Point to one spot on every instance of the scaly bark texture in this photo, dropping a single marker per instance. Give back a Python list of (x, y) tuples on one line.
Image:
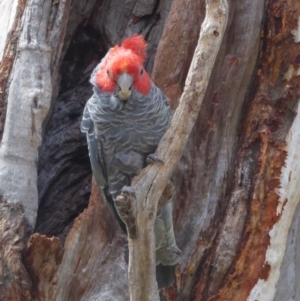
[(42, 259), (15, 283)]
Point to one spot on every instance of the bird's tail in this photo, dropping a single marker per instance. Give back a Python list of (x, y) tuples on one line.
[(165, 274), (167, 252)]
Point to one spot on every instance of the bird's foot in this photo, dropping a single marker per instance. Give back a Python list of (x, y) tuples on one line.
[(124, 205), (168, 256), (167, 195), (153, 159)]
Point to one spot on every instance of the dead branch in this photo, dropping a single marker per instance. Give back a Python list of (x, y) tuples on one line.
[(150, 183)]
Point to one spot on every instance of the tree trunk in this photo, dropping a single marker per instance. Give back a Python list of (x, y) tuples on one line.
[(236, 209)]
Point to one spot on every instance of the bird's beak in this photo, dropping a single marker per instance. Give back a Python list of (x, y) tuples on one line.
[(125, 82)]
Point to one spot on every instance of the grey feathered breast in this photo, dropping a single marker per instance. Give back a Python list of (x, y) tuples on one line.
[(121, 135)]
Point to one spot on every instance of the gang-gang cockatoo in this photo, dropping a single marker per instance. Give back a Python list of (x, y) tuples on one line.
[(124, 121)]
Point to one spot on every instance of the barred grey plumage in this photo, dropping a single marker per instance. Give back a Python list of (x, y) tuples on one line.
[(120, 136)]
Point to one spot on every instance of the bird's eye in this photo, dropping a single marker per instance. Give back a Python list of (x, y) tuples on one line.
[(142, 71)]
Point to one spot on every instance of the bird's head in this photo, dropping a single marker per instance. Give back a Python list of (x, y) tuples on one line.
[(122, 69)]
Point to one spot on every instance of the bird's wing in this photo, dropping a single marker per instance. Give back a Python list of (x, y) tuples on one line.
[(87, 127), (98, 166)]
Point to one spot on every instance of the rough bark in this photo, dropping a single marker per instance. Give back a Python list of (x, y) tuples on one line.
[(94, 256), (15, 284), (204, 176), (236, 184)]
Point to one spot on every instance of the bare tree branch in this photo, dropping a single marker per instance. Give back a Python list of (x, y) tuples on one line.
[(150, 183)]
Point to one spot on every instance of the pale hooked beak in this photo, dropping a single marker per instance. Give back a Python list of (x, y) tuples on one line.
[(125, 82)]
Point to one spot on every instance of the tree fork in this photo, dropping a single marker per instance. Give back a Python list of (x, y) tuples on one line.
[(150, 184)]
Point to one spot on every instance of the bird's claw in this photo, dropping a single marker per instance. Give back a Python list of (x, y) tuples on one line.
[(128, 191), (152, 158), (123, 204), (168, 256), (167, 195)]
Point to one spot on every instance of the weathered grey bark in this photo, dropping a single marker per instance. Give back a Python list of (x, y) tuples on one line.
[(288, 283), (35, 74), (237, 173), (30, 70)]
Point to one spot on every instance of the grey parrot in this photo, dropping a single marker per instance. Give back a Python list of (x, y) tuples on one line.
[(124, 121)]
